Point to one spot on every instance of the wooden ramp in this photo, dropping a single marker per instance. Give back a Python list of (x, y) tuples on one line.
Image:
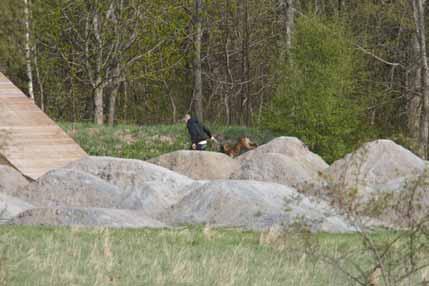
[(29, 140)]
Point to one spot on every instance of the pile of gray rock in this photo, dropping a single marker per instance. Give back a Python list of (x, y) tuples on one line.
[(279, 183)]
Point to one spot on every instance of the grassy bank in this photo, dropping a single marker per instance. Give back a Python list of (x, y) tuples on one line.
[(145, 142)]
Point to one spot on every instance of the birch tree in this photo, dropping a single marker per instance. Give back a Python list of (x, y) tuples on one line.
[(28, 58)]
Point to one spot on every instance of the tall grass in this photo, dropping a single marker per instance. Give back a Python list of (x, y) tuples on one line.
[(79, 256), (188, 256)]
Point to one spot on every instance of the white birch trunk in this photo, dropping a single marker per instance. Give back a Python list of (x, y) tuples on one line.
[(28, 48)]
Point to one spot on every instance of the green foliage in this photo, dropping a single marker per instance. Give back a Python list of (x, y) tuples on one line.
[(316, 99)]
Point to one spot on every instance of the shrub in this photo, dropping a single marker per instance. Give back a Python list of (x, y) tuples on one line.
[(315, 99)]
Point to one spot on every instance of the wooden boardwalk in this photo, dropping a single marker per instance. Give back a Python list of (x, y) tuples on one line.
[(29, 140)]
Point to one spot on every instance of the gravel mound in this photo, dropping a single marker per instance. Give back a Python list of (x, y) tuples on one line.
[(198, 165), (128, 174), (255, 206), (11, 206), (153, 198), (90, 217), (11, 180), (284, 160), (277, 168), (293, 148), (377, 166), (380, 180), (71, 188)]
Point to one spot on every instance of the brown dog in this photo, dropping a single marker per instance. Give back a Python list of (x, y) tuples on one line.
[(244, 143)]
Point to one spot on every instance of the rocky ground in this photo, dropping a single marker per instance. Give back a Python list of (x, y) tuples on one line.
[(279, 183)]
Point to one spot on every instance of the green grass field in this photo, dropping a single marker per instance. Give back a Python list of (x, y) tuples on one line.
[(79, 256), (195, 255)]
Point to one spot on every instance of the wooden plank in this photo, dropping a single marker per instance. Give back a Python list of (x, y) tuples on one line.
[(29, 140)]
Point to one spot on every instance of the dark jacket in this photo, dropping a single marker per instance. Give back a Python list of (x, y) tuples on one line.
[(197, 131)]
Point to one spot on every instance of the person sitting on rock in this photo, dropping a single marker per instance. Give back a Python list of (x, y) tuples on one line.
[(198, 132)]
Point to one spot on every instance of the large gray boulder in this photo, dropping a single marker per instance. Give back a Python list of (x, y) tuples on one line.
[(285, 160), (89, 217), (378, 166), (71, 188), (198, 165), (11, 206), (255, 206), (129, 174), (11, 180), (277, 168), (153, 198), (293, 148), (381, 180)]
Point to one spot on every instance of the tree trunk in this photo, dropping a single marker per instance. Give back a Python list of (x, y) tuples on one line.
[(290, 23), (117, 80), (28, 49), (228, 77), (245, 66), (98, 103), (198, 84), (317, 7), (414, 87), (99, 83), (287, 15), (39, 80), (112, 105), (419, 17), (125, 101)]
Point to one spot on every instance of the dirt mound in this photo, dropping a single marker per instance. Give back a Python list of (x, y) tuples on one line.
[(199, 165), (11, 180), (129, 174), (377, 166), (85, 217), (253, 205), (11, 206)]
